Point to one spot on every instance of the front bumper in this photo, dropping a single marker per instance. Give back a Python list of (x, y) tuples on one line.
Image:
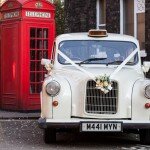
[(76, 123)]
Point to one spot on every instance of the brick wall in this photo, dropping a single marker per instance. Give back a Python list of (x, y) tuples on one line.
[(113, 16), (80, 15)]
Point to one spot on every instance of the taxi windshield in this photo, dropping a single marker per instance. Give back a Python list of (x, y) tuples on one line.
[(97, 52)]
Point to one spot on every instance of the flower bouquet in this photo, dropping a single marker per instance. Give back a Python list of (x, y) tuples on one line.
[(103, 83), (49, 67)]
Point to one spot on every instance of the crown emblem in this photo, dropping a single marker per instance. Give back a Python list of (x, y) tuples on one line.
[(38, 5)]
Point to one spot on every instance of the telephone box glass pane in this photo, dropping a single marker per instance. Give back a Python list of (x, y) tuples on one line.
[(39, 55), (39, 66), (32, 55), (38, 50), (32, 44), (45, 44), (39, 33), (45, 54), (45, 33), (32, 77), (39, 44), (32, 66), (32, 32)]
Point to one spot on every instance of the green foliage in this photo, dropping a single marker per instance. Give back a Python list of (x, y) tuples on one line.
[(103, 78), (59, 16)]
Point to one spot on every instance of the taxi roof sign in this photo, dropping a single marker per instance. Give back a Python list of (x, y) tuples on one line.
[(97, 33)]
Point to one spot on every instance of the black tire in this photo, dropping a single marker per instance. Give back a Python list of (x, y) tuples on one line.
[(49, 136), (145, 136)]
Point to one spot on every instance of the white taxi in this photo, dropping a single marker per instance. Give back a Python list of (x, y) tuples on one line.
[(95, 83)]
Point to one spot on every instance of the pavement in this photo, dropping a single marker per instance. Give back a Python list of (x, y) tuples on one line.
[(26, 135), (19, 115), (20, 131)]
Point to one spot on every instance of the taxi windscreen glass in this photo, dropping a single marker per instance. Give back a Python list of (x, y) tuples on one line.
[(97, 52)]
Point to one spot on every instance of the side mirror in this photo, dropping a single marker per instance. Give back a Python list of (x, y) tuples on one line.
[(143, 53), (146, 66), (45, 61)]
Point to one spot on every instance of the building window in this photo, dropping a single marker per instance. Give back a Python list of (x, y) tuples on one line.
[(140, 6), (128, 17), (101, 14), (132, 19)]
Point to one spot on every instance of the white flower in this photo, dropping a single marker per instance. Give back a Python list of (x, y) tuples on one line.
[(102, 89), (98, 82), (109, 87), (48, 67), (105, 83), (106, 91)]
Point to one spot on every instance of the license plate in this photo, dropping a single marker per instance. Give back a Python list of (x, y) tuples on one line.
[(101, 127)]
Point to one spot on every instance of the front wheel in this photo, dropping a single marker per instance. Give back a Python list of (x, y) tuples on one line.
[(145, 136), (49, 135)]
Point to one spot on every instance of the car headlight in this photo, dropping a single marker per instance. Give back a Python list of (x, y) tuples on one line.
[(147, 91), (53, 88)]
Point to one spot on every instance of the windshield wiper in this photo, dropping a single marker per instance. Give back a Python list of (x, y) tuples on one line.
[(117, 62), (90, 59)]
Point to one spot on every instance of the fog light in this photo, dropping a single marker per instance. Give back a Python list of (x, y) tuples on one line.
[(147, 105), (55, 103)]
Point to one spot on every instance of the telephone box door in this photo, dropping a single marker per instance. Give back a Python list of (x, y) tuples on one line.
[(39, 45)]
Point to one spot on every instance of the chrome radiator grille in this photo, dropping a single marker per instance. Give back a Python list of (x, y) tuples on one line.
[(99, 103)]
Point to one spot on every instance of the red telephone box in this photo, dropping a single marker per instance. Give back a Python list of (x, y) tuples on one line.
[(27, 34)]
